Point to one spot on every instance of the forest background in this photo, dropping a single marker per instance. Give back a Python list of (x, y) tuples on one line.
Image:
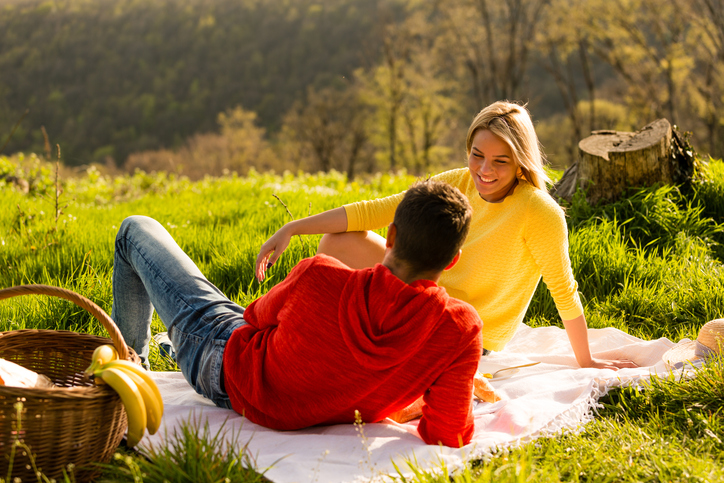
[(205, 87)]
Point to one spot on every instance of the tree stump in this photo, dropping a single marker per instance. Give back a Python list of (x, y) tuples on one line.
[(20, 183), (612, 161)]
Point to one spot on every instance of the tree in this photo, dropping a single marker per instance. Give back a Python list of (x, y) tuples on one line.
[(245, 141), (646, 43), (239, 146), (708, 18), (564, 45), (411, 93), (428, 110), (329, 129), (111, 77), (492, 40), (384, 88)]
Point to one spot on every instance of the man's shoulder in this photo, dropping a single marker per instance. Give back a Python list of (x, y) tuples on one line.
[(463, 314), (322, 261), (322, 265), (318, 279)]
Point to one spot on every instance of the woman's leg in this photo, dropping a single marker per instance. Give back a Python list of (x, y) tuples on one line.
[(151, 271), (356, 249)]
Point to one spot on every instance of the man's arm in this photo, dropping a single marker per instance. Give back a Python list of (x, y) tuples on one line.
[(447, 413), (264, 311)]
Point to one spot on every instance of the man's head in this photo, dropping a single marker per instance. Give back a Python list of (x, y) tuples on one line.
[(431, 223)]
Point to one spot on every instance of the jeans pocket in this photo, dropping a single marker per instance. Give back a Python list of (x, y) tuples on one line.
[(200, 356), (188, 348), (212, 366), (210, 373)]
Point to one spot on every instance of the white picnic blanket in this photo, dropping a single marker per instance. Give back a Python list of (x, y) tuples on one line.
[(550, 397)]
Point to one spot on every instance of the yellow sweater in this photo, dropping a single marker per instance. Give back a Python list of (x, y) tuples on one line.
[(509, 246)]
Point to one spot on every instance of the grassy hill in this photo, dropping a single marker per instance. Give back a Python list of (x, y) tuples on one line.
[(650, 265)]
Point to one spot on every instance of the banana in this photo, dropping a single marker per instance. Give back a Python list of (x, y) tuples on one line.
[(106, 365), (102, 355), (149, 390), (154, 404), (132, 400)]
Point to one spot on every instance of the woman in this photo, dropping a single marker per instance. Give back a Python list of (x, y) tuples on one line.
[(518, 233)]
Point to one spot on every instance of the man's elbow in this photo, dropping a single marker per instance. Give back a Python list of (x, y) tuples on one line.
[(447, 438)]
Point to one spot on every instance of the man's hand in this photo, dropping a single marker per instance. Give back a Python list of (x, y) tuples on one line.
[(413, 411), (613, 364)]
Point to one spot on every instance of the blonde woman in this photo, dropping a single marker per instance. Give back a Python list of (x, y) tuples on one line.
[(518, 233)]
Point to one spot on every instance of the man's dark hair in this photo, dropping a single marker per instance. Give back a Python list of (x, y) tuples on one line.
[(432, 222)]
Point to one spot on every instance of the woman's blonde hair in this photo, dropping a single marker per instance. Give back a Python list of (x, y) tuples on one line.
[(511, 123)]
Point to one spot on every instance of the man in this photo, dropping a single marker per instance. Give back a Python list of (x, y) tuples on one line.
[(328, 342)]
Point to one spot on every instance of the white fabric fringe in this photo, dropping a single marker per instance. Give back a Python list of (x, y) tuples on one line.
[(539, 401)]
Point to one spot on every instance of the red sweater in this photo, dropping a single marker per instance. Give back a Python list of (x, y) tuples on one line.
[(330, 340)]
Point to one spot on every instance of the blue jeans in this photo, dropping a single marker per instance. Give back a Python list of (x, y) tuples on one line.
[(151, 271)]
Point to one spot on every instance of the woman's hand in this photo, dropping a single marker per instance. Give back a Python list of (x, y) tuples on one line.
[(272, 249), (614, 364), (577, 331), (332, 221)]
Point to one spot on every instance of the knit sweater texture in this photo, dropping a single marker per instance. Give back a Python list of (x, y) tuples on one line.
[(328, 341), (510, 245)]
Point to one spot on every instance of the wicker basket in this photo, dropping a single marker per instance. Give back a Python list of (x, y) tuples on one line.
[(75, 423)]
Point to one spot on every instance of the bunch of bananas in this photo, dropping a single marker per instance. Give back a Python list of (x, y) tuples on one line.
[(139, 393)]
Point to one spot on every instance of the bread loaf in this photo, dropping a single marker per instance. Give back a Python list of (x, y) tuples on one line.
[(483, 390), (12, 374)]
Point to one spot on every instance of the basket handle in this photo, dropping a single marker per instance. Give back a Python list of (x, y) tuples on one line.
[(80, 301)]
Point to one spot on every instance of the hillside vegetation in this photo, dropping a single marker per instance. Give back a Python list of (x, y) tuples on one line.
[(197, 87), (110, 77)]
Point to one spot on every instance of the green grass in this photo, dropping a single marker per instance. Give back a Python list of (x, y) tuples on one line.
[(650, 265), (192, 454), (671, 430)]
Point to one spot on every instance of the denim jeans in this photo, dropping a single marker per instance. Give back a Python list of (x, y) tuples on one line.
[(151, 271)]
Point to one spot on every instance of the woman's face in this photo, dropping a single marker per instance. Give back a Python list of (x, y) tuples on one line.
[(492, 166)]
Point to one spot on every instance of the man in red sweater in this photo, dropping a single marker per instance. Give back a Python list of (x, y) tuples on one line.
[(328, 342)]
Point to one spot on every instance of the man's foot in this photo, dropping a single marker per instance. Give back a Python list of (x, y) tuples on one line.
[(164, 345)]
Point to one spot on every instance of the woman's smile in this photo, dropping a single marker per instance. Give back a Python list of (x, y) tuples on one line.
[(486, 180), (492, 166)]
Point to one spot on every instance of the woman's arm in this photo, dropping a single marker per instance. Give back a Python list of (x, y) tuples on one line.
[(363, 215), (332, 221), (547, 238), (577, 331)]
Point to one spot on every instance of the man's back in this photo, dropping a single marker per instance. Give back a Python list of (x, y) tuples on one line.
[(329, 340)]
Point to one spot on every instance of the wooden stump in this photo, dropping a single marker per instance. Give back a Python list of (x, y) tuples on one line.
[(20, 183), (612, 161)]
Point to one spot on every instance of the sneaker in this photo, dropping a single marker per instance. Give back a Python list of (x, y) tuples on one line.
[(164, 345)]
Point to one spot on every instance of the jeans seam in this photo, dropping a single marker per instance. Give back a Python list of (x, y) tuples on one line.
[(218, 364)]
